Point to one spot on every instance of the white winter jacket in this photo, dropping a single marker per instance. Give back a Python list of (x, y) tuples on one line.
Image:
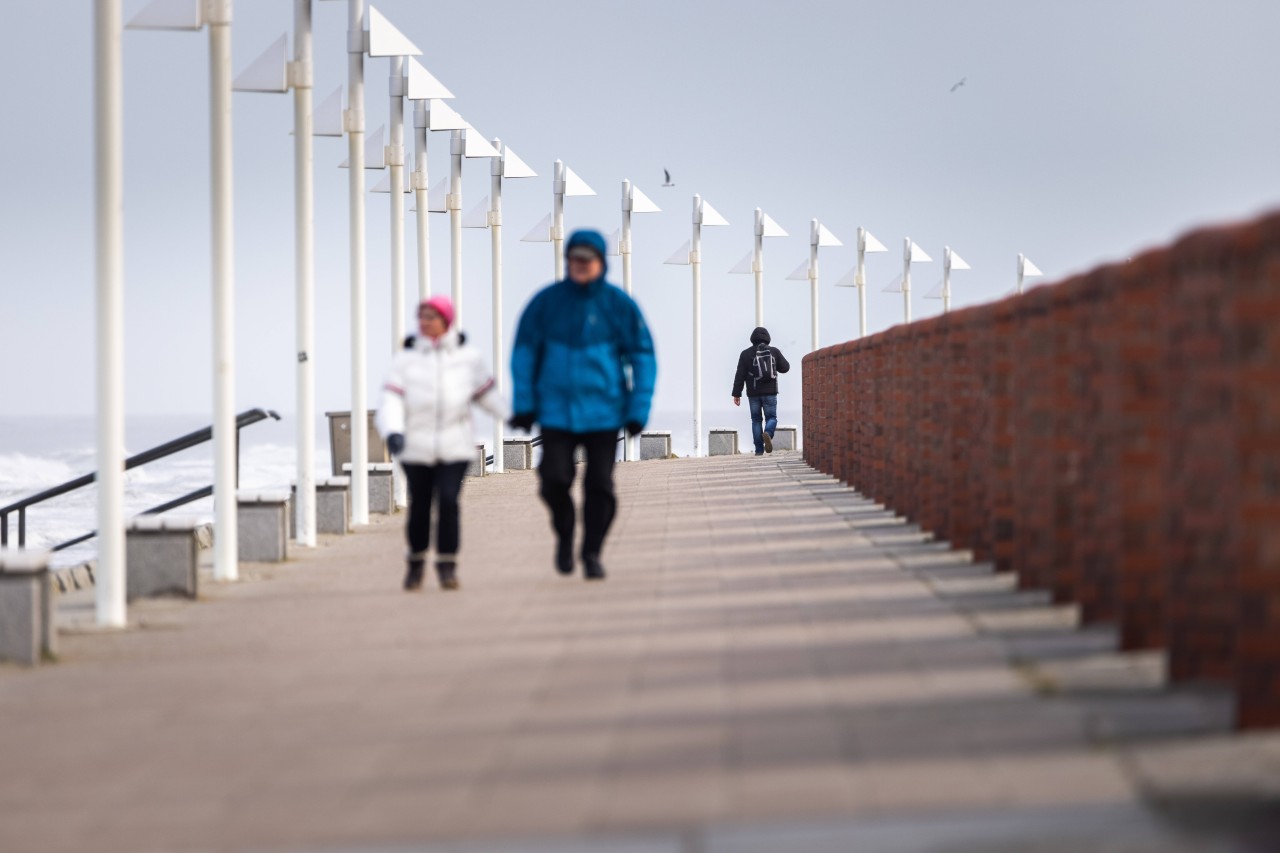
[(428, 396)]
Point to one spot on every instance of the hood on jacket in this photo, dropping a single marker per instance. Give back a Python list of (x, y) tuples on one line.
[(760, 336), (592, 239)]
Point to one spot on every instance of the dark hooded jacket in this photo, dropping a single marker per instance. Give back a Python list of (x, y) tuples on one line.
[(574, 345), (765, 387)]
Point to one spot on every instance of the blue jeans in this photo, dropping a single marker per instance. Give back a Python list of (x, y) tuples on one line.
[(766, 406)]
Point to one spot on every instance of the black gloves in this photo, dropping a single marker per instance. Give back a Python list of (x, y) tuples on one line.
[(524, 421), (395, 443), (634, 428)]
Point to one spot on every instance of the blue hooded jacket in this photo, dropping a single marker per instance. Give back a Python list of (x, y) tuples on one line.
[(573, 345)]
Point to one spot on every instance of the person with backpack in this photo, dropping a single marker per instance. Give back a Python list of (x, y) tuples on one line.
[(425, 416), (583, 368), (758, 369)]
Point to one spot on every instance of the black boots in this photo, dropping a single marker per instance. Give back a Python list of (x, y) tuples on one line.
[(564, 558), (592, 569), (447, 571), (413, 576)]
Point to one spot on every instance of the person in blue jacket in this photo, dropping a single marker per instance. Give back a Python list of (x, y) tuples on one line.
[(584, 368)]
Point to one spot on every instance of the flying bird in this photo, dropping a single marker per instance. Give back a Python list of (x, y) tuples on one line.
[(668, 178), (958, 85)]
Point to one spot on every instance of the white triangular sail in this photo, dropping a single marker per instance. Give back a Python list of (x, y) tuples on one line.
[(894, 286), (438, 197), (849, 279), (871, 243), (826, 238), (744, 266), (711, 216), (573, 185), (375, 151), (422, 84), (327, 118), (800, 273), (384, 185), (540, 233), (935, 292), (169, 15), (478, 216), (386, 40), (918, 255), (641, 203), (269, 72), (771, 228), (514, 167), (1029, 269), (441, 116), (475, 145), (958, 263), (613, 243), (680, 257)]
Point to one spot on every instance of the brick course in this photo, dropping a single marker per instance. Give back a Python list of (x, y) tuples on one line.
[(1114, 439)]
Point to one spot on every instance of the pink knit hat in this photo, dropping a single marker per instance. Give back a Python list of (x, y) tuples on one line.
[(442, 305)]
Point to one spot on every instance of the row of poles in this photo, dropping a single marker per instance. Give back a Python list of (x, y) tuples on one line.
[(368, 33)]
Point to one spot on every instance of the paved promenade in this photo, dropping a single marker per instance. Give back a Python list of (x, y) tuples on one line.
[(773, 665)]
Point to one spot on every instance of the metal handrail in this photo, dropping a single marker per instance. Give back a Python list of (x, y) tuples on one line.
[(177, 445)]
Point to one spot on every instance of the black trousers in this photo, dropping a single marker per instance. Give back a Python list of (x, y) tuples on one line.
[(440, 484), (557, 473)]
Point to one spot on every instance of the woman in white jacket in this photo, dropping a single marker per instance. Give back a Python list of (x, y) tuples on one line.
[(426, 418)]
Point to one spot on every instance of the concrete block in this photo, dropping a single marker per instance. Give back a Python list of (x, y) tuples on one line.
[(381, 493), (517, 454), (263, 519), (340, 441), (655, 445), (27, 631), (162, 555), (476, 468), (722, 442), (786, 438), (333, 505)]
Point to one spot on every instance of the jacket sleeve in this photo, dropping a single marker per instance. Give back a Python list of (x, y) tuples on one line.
[(391, 415), (640, 355), (485, 389), (526, 356), (740, 377), (783, 365)]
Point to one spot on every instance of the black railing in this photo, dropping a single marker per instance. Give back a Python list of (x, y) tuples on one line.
[(169, 448)]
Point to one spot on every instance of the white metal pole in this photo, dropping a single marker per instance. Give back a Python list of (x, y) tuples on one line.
[(1022, 268), (304, 271), (355, 145), (495, 237), (946, 279), (757, 266), (557, 218), (629, 443), (456, 147), (860, 279), (813, 281), (225, 539), (906, 279), (395, 164), (695, 261), (108, 127), (420, 196)]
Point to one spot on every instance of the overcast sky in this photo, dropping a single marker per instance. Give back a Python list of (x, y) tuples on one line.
[(1085, 131)]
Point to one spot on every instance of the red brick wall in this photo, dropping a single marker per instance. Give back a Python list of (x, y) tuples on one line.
[(1114, 439)]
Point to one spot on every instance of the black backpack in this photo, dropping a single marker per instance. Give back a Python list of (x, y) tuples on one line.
[(764, 368)]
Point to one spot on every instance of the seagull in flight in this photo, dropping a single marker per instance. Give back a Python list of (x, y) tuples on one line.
[(958, 85), (668, 178)]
